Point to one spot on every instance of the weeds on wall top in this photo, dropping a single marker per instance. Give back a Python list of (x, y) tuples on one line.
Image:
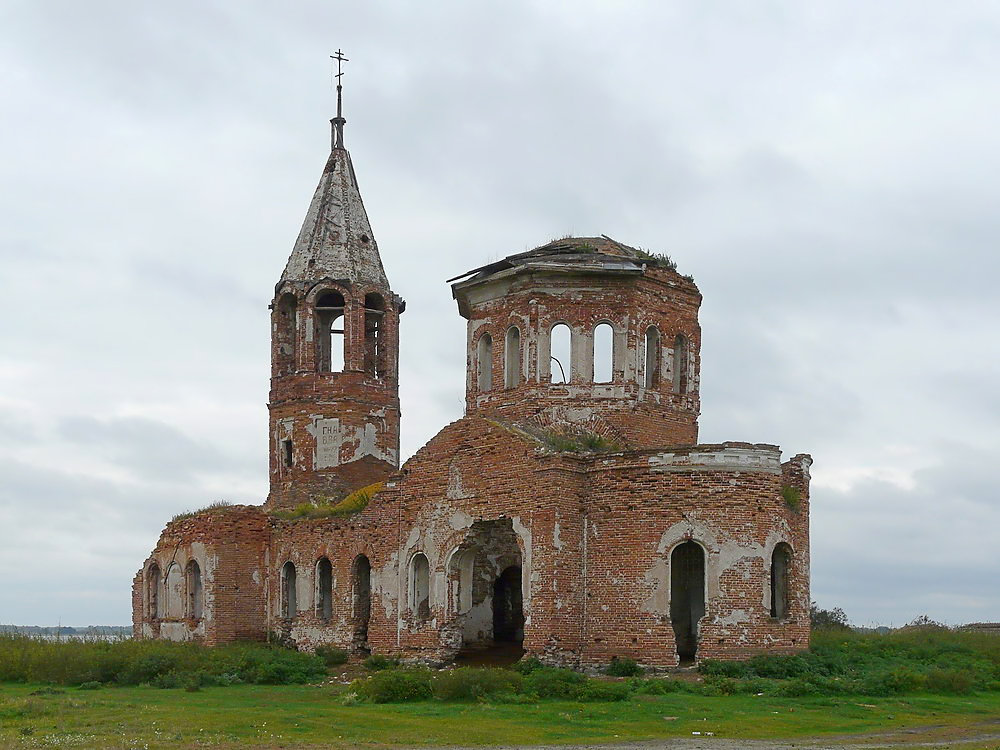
[(656, 259), (354, 503), (207, 509), (578, 442), (792, 496)]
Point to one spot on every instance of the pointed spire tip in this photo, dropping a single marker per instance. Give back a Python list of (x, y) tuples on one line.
[(338, 121)]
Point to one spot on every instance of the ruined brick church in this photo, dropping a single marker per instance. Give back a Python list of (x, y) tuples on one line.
[(571, 512)]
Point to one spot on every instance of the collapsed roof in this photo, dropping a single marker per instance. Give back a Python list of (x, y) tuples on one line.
[(576, 253)]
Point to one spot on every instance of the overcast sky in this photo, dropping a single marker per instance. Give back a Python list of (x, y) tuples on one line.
[(829, 172)]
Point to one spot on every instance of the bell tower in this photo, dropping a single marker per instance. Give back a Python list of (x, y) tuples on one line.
[(334, 400)]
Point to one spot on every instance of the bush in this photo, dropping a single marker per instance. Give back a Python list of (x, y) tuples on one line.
[(623, 668), (831, 619), (377, 662), (395, 686), (795, 688), (660, 686), (596, 691), (953, 681), (901, 679), (716, 668), (331, 656), (779, 667), (719, 686), (527, 666), (548, 682), (469, 684)]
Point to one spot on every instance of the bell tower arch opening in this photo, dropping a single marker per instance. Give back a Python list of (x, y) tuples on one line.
[(285, 325), (331, 332), (374, 336)]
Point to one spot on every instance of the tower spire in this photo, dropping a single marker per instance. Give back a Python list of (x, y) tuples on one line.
[(338, 121)]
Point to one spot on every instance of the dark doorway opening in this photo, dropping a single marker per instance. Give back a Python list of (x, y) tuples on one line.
[(362, 601), (508, 607), (687, 597)]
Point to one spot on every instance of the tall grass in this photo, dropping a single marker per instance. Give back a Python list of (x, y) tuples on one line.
[(155, 662), (933, 659)]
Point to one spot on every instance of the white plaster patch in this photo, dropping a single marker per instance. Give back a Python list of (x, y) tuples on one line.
[(328, 441), (735, 617), (727, 458), (455, 489), (460, 520)]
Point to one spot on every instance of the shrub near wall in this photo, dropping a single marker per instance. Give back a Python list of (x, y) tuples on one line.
[(468, 684), (394, 686)]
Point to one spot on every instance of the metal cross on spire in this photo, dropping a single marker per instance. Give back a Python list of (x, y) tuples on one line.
[(338, 121)]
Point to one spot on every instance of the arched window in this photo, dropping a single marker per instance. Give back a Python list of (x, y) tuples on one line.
[(330, 332), (153, 590), (687, 596), (288, 600), (324, 589), (781, 564), (680, 364), (651, 375), (374, 336), (484, 362), (420, 588), (512, 358), (462, 568), (285, 334), (173, 592), (604, 353), (560, 351), (195, 597), (362, 598)]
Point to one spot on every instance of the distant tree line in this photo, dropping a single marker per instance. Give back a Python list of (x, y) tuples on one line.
[(60, 631)]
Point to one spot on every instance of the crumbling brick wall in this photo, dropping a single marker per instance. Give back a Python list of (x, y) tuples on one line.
[(342, 427), (660, 414)]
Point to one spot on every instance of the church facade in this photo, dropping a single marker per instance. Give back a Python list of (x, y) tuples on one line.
[(571, 512)]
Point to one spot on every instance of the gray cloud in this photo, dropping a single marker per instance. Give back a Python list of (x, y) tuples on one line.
[(147, 447)]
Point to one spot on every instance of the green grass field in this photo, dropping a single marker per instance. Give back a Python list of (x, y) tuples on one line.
[(294, 716), (927, 685)]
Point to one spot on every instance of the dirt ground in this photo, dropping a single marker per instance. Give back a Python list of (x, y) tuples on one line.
[(986, 735)]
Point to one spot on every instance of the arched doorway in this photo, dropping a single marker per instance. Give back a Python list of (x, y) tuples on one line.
[(485, 606), (687, 597), (362, 601), (508, 607)]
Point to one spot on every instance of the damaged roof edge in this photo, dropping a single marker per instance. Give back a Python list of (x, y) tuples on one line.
[(576, 250)]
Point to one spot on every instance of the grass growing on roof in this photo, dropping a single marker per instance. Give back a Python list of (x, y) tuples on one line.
[(578, 441), (353, 503), (219, 505), (792, 496)]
